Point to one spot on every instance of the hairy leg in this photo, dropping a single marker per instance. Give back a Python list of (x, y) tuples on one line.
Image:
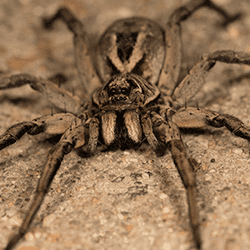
[(51, 124), (201, 118), (68, 141), (192, 83), (59, 97), (169, 134), (171, 69), (86, 71)]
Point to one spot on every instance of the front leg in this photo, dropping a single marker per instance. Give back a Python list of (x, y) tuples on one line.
[(186, 172), (169, 134), (71, 138)]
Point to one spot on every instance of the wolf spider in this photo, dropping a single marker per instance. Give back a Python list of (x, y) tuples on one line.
[(137, 67)]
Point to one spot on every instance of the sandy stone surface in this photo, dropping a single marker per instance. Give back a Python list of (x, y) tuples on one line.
[(126, 200)]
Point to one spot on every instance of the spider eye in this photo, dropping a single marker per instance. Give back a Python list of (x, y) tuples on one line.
[(124, 91), (112, 91)]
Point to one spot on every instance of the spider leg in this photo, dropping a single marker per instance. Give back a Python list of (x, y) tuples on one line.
[(200, 118), (228, 18), (51, 124), (93, 134), (147, 128), (192, 83), (56, 95), (172, 65), (73, 136), (87, 73), (14, 133), (168, 133)]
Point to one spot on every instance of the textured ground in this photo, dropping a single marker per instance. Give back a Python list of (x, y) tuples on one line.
[(126, 199)]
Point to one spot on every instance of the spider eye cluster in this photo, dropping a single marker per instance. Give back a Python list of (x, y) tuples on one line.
[(114, 91), (118, 93), (119, 90)]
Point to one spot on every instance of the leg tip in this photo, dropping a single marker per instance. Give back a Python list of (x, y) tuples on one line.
[(231, 19)]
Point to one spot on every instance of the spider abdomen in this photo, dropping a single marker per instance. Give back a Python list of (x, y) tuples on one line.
[(132, 45)]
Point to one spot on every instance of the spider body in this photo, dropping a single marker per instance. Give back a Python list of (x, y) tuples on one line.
[(131, 51), (133, 45), (138, 99)]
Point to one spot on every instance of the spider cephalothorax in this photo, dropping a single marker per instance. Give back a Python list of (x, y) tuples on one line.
[(120, 103), (124, 91), (138, 99)]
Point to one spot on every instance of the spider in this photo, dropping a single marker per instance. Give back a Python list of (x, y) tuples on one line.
[(137, 65)]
